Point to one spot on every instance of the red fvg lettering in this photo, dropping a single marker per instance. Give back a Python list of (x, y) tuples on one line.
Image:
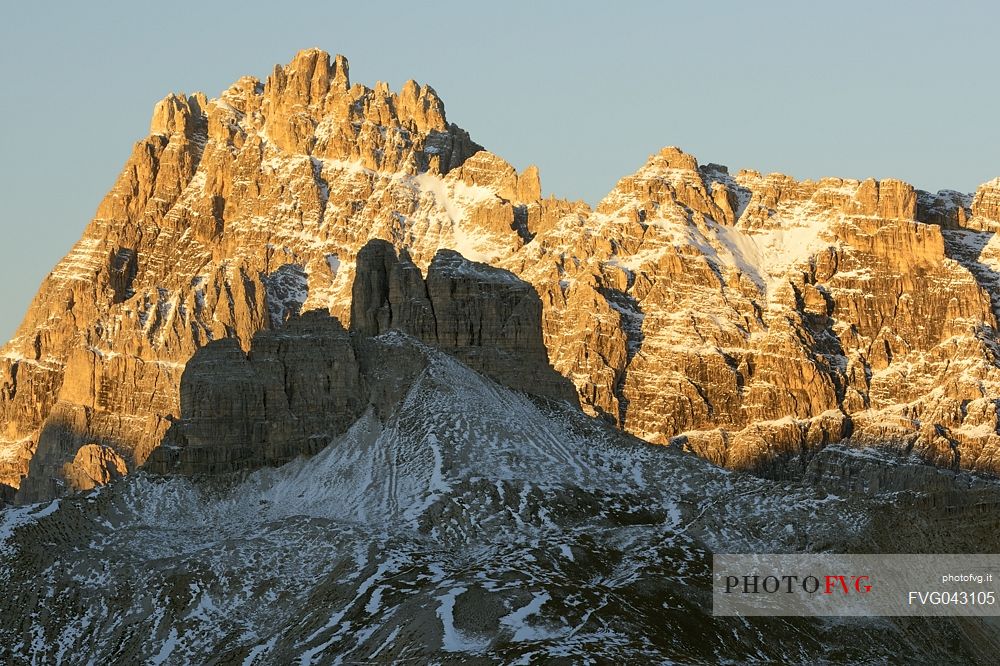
[(845, 584)]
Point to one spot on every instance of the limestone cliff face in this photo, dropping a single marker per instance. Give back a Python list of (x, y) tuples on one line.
[(484, 316), (747, 317), (751, 318), (224, 221)]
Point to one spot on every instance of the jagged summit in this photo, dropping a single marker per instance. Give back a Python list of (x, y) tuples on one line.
[(675, 158), (310, 107), (327, 359), (748, 317)]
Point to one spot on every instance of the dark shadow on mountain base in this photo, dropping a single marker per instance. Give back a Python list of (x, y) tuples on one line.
[(306, 382), (298, 387), (631, 316), (69, 458)]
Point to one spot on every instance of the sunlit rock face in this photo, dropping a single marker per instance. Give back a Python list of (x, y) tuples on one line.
[(748, 318)]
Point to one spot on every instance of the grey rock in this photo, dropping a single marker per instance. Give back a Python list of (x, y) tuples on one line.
[(486, 317)]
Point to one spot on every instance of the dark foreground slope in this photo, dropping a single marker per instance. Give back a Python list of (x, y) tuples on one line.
[(420, 488), (459, 521)]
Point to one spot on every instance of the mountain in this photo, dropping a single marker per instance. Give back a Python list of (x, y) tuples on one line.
[(751, 319), (324, 381)]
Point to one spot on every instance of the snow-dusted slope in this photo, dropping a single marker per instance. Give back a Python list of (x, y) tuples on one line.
[(470, 522)]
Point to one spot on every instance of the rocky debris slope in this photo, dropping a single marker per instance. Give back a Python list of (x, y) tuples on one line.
[(456, 519), (747, 317)]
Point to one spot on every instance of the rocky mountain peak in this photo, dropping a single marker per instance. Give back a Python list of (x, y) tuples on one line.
[(672, 157), (986, 201), (179, 114), (886, 199), (309, 77), (485, 169), (669, 179), (309, 107), (750, 318)]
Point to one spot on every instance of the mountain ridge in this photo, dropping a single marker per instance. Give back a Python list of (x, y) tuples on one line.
[(748, 318)]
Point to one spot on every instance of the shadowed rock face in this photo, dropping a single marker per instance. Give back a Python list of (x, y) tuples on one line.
[(486, 317), (297, 388), (305, 383)]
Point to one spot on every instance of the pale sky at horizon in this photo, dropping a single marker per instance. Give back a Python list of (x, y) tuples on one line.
[(587, 93)]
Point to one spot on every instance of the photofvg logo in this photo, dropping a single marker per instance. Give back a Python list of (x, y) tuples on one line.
[(786, 584), (855, 585)]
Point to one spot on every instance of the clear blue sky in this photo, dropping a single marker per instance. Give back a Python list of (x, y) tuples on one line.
[(585, 90)]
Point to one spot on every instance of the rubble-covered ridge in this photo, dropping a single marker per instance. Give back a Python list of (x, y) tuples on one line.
[(747, 317)]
